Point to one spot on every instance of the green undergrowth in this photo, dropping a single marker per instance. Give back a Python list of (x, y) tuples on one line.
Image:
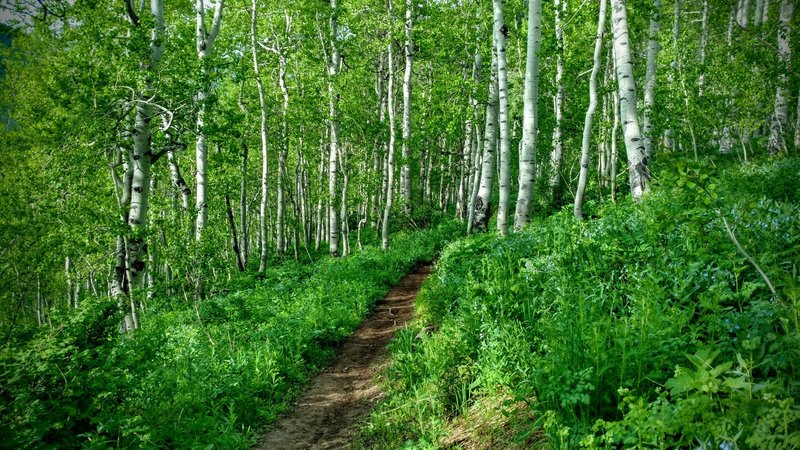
[(206, 375), (643, 326)]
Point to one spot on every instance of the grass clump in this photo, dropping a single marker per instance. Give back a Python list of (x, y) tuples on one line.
[(643, 327)]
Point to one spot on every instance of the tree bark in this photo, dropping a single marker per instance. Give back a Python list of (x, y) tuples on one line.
[(777, 142), (390, 152), (333, 120), (638, 171), (650, 78), (530, 119), (483, 199), (262, 215), (500, 33), (205, 42), (587, 124), (557, 152), (405, 173)]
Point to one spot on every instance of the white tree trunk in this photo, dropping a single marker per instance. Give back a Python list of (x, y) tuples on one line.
[(777, 142), (701, 82), (482, 205), (204, 40), (283, 152), (557, 152), (390, 152), (614, 157), (638, 171), (759, 17), (587, 124), (530, 120), (500, 32), (650, 78), (333, 119), (262, 214), (405, 174), (797, 125)]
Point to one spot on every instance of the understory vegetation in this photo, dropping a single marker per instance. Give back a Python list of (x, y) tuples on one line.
[(199, 375), (645, 326)]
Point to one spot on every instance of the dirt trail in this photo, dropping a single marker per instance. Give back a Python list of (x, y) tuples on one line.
[(339, 397)]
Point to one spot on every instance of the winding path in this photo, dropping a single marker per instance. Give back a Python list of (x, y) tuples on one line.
[(339, 397)]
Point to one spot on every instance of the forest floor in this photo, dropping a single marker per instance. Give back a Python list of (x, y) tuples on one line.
[(326, 414)]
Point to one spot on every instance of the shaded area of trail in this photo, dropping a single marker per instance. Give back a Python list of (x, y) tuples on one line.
[(346, 392)]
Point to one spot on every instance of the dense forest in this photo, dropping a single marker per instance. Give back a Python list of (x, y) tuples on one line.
[(201, 201)]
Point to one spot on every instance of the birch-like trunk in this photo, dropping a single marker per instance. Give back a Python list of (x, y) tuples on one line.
[(244, 242), (614, 132), (701, 82), (390, 151), (530, 120), (587, 124), (475, 170), (650, 78), (405, 173), (262, 214), (483, 205), (797, 124), (638, 171), (759, 17), (282, 153), (777, 142), (333, 121), (743, 13), (500, 34), (204, 40), (556, 154)]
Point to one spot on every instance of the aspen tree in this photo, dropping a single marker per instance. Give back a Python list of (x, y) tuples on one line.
[(204, 40), (408, 49), (482, 205), (262, 214), (557, 153), (527, 160), (333, 121), (650, 78), (390, 151), (638, 171), (587, 124), (779, 120), (500, 34)]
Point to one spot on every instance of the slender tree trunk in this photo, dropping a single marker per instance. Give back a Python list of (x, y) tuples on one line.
[(475, 170), (614, 157), (650, 78), (483, 200), (390, 155), (262, 215), (244, 242), (283, 152), (527, 160), (234, 237), (587, 124), (797, 124), (405, 174), (780, 115), (204, 42), (557, 152), (68, 275), (638, 171), (333, 118), (701, 82), (500, 33)]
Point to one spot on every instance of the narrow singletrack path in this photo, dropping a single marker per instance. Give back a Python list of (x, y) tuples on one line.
[(339, 397)]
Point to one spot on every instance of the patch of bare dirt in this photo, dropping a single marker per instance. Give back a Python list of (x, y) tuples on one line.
[(326, 415)]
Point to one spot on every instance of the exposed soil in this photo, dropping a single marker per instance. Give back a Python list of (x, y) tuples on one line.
[(326, 415)]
